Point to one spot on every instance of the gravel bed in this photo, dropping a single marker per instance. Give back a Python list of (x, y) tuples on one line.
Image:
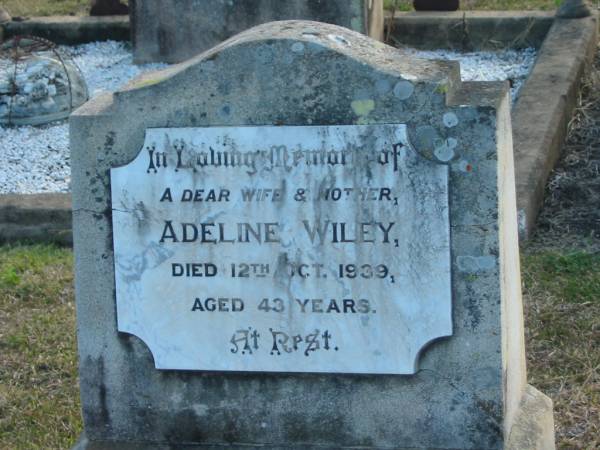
[(512, 65), (38, 157)]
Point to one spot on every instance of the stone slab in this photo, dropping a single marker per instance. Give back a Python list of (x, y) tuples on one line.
[(533, 430), (172, 31), (467, 392), (295, 255), (534, 425)]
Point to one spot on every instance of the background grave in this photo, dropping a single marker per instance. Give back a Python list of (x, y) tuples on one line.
[(538, 137)]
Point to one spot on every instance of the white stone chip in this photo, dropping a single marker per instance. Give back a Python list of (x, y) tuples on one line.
[(513, 65)]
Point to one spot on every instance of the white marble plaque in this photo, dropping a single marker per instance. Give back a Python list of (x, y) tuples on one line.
[(282, 249)]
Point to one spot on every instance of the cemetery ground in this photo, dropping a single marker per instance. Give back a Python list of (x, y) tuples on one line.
[(561, 276), (39, 405)]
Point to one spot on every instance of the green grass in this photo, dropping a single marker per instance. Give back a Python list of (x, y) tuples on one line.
[(562, 305), (39, 400), (398, 5), (39, 397), (29, 8), (501, 5), (573, 277)]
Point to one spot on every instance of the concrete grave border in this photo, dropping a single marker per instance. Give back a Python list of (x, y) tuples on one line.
[(36, 217), (540, 121), (469, 31), (70, 30)]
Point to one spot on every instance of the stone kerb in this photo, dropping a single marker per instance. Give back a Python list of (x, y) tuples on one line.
[(70, 30), (469, 30), (545, 107), (36, 217), (468, 389)]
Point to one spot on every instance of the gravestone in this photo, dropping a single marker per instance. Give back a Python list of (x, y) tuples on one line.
[(172, 31), (301, 238)]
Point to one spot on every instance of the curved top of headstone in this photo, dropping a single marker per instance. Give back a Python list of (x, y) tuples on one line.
[(292, 73), (308, 42)]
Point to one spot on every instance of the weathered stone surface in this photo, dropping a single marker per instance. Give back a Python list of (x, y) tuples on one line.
[(36, 217), (296, 254), (172, 31), (468, 389), (534, 425)]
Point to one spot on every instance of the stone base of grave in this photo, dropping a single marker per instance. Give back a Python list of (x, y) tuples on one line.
[(534, 425), (533, 430)]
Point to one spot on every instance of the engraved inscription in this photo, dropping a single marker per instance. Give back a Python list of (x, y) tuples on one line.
[(285, 249)]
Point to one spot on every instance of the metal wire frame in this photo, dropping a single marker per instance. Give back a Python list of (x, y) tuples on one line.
[(21, 47)]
